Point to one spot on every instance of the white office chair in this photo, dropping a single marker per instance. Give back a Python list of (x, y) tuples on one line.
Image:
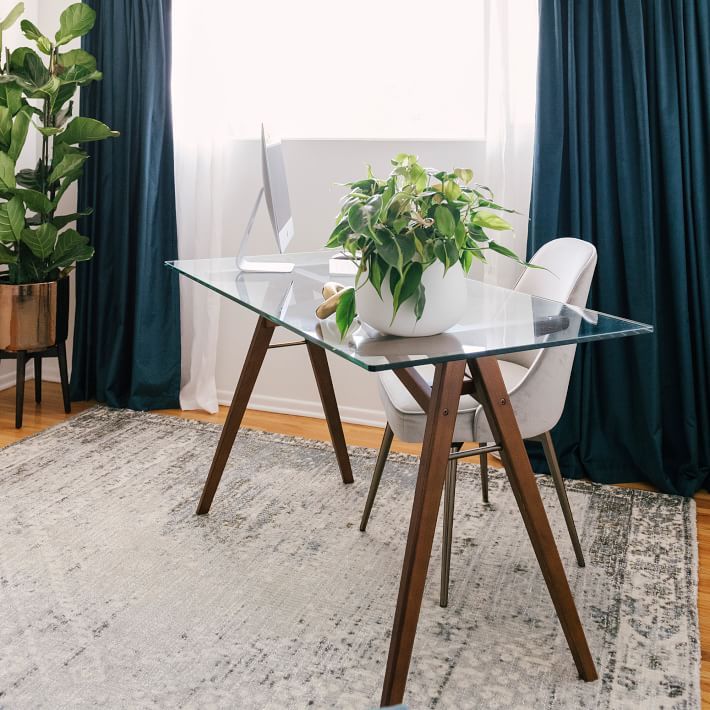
[(537, 382)]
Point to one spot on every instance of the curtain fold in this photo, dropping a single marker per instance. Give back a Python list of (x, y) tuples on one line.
[(622, 159), (127, 328), (510, 37)]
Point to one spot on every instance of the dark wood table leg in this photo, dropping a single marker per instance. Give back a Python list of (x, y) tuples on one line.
[(441, 418), (319, 363), (63, 375), (263, 333), (20, 387), (492, 394), (38, 378)]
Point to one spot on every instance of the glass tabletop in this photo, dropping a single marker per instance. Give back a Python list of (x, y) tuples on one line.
[(496, 321)]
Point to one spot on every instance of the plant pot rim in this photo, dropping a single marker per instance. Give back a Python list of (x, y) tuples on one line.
[(5, 282)]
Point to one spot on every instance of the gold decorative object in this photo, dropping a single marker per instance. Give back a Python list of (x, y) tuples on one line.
[(28, 316), (331, 293)]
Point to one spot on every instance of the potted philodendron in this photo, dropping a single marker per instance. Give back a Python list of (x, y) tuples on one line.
[(37, 246), (414, 237)]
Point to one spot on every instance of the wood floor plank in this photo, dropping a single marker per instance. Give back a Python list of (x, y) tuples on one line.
[(38, 417)]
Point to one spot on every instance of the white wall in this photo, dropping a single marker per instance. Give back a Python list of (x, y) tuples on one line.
[(313, 168)]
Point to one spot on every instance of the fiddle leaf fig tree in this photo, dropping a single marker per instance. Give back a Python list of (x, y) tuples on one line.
[(37, 88)]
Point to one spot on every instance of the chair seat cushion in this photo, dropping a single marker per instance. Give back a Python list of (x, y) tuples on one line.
[(407, 418)]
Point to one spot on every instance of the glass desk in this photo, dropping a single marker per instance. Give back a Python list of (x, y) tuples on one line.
[(497, 321)]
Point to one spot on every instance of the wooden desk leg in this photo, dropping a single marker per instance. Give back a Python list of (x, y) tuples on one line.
[(255, 357), (441, 418), (319, 362), (492, 394)]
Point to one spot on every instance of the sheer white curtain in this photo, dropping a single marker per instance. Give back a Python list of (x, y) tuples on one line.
[(511, 36), (211, 81), (201, 176)]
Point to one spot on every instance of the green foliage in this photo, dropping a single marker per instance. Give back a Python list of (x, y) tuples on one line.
[(396, 228), (35, 243)]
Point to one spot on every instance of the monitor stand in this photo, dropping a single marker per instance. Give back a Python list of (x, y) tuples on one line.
[(264, 267)]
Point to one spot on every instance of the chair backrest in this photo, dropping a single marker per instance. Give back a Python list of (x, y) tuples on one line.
[(567, 277), (539, 398)]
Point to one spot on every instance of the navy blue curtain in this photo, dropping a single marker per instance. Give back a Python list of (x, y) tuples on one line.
[(622, 159), (127, 332)]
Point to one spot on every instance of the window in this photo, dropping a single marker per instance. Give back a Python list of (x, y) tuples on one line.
[(371, 69)]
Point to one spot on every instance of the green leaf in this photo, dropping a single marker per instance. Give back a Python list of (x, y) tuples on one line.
[(452, 253), (71, 247), (32, 70), (35, 201), (420, 302), (466, 261), (407, 285), (20, 126), (5, 128), (28, 178), (11, 17), (78, 57), (12, 220), (41, 240), (74, 22), (390, 251), (444, 221), (504, 251), (451, 190), (338, 236), (68, 164), (378, 270), (82, 130), (11, 96), (7, 256), (65, 219), (7, 172), (460, 235), (32, 32), (362, 218), (345, 311), (490, 220), (464, 174)]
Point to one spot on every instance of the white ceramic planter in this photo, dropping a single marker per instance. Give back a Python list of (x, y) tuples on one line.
[(446, 297)]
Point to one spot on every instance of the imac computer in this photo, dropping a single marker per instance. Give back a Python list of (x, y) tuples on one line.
[(275, 192)]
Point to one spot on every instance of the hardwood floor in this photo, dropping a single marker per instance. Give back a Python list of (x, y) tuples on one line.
[(50, 412)]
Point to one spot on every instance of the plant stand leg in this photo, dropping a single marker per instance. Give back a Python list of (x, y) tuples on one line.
[(38, 378), (63, 375), (493, 395), (20, 387), (263, 333), (441, 418)]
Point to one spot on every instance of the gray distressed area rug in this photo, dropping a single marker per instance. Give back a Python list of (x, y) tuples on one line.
[(114, 594)]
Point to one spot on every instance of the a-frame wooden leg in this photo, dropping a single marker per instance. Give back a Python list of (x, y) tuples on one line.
[(492, 394), (252, 365), (441, 417), (319, 362)]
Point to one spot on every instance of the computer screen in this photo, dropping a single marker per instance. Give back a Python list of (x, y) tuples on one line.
[(276, 190)]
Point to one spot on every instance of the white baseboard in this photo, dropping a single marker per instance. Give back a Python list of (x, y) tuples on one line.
[(264, 403), (306, 408), (50, 373)]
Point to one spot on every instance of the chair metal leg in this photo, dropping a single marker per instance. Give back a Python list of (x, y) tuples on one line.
[(551, 456), (377, 475), (449, 501), (484, 475)]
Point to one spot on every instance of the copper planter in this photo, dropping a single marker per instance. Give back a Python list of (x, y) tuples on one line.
[(32, 316)]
